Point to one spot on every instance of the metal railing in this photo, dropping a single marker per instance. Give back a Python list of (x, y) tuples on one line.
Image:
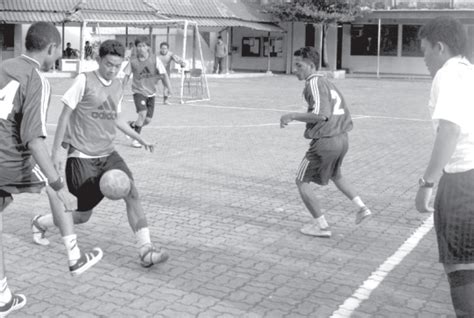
[(418, 4)]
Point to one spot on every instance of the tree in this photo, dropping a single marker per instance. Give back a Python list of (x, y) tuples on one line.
[(323, 12)]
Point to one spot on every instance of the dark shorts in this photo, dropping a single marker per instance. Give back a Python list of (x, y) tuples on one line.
[(31, 179), (143, 103), (323, 160), (83, 178), (454, 218)]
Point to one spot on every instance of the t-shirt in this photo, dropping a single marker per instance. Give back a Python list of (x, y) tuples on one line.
[(24, 101), (167, 58), (452, 99), (95, 103), (324, 99), (145, 74)]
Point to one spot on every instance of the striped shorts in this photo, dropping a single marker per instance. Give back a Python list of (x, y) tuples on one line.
[(323, 160), (454, 218)]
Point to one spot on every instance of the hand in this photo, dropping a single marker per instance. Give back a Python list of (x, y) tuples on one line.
[(69, 201), (422, 200), (284, 120), (148, 146)]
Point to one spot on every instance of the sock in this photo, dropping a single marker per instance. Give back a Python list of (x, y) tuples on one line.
[(132, 124), (143, 237), (73, 251), (138, 129), (5, 293), (46, 221), (321, 222), (358, 201)]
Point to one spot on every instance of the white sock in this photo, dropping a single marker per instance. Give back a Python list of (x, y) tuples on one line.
[(143, 236), (73, 251), (321, 222), (5, 293), (46, 221), (358, 201)]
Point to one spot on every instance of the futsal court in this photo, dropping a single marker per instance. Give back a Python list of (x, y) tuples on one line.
[(219, 194)]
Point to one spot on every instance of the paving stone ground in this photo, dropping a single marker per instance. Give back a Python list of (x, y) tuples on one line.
[(219, 194)]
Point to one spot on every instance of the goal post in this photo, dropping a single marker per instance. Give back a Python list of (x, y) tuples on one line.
[(191, 81)]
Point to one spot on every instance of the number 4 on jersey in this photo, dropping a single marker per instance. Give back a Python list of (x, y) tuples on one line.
[(7, 95)]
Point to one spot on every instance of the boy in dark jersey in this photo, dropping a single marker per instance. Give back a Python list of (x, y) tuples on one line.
[(25, 163), (327, 122), (87, 128), (147, 70)]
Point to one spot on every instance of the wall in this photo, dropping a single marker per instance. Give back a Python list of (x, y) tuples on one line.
[(388, 64), (259, 64)]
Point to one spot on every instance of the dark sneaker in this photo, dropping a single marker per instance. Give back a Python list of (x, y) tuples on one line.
[(86, 261), (38, 232), (17, 302), (151, 256)]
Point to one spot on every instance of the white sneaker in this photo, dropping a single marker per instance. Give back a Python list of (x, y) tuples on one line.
[(38, 232), (362, 214), (315, 230), (136, 144)]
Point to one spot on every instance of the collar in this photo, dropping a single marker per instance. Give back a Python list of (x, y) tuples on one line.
[(456, 59), (311, 76), (102, 80), (31, 59)]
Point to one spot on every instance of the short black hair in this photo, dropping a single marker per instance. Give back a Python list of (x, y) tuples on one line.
[(164, 43), (219, 37), (142, 39), (447, 30), (309, 53), (111, 47), (40, 35)]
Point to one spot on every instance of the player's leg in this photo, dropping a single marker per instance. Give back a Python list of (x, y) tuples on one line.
[(141, 107), (308, 171), (340, 143), (149, 255), (8, 302), (461, 284), (166, 93)]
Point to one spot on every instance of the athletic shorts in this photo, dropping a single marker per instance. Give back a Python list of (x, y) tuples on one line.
[(144, 103), (323, 160), (31, 179), (454, 218), (83, 178)]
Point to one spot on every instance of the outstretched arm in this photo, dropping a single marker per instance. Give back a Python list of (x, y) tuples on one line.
[(303, 117)]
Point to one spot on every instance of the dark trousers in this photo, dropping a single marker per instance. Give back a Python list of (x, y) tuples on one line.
[(219, 64)]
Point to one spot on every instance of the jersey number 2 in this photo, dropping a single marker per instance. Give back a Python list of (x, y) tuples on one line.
[(337, 110), (7, 95)]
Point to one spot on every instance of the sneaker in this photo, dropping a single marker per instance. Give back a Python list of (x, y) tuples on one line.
[(86, 261), (17, 302), (151, 256), (136, 144), (362, 214), (38, 232), (315, 230)]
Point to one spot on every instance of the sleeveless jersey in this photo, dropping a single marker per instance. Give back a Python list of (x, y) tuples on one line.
[(324, 98), (24, 100), (91, 128), (146, 75)]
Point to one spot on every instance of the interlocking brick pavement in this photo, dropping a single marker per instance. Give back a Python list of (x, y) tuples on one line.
[(219, 194)]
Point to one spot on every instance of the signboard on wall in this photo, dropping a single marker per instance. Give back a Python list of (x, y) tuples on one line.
[(275, 46), (251, 46)]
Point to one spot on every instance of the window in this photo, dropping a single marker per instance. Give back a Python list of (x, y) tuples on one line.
[(276, 47), (364, 39), (7, 33), (410, 41), (251, 46)]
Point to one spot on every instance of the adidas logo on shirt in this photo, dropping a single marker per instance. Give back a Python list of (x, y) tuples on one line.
[(106, 111), (146, 73)]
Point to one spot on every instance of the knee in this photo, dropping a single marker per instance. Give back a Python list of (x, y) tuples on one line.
[(133, 194), (82, 217)]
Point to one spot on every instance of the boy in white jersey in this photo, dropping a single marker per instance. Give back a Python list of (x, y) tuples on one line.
[(444, 44), (166, 57), (25, 164), (147, 70), (327, 122), (87, 128)]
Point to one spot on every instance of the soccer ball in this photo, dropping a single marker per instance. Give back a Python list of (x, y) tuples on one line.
[(115, 184)]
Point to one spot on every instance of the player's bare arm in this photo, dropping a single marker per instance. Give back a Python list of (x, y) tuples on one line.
[(39, 150), (59, 137), (443, 149), (123, 126), (303, 117)]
